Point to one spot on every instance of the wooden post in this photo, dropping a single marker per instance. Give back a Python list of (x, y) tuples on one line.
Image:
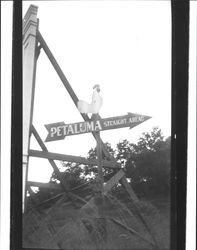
[(100, 220), (99, 180), (99, 156), (30, 25)]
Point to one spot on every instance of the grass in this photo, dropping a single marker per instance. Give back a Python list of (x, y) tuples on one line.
[(66, 227)]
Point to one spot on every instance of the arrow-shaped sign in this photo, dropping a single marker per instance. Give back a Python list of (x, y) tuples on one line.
[(59, 130)]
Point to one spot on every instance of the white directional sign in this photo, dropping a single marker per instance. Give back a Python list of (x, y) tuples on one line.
[(59, 130)]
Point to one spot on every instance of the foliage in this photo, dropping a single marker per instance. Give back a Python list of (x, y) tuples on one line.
[(146, 164), (125, 151), (71, 173), (91, 171), (150, 141), (149, 165)]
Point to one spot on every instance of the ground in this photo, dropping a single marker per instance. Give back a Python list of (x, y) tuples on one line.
[(66, 227)]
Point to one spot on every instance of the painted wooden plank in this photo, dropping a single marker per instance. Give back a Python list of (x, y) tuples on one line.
[(60, 130), (113, 181), (69, 158), (44, 185)]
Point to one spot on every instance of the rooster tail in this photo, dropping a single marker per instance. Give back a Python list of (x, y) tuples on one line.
[(80, 105), (83, 107)]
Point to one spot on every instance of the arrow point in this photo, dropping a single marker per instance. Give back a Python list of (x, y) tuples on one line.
[(137, 119), (148, 117), (46, 126)]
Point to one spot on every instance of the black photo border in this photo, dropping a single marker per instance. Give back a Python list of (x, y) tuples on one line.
[(180, 68)]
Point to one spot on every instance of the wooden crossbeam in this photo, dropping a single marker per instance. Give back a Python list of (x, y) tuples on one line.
[(69, 158), (44, 185)]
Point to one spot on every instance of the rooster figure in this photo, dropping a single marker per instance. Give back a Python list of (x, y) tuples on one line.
[(94, 106)]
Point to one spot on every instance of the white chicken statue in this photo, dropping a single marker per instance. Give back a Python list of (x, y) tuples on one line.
[(94, 106)]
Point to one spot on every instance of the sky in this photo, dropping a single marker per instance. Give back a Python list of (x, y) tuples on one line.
[(124, 46)]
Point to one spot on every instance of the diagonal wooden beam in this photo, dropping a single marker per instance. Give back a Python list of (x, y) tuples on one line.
[(54, 166), (69, 158), (68, 86), (44, 148)]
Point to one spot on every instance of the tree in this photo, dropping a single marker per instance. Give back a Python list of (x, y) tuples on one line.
[(148, 165), (71, 173), (92, 171), (150, 141), (125, 150)]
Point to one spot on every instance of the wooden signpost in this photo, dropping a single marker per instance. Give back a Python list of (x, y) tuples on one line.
[(60, 130)]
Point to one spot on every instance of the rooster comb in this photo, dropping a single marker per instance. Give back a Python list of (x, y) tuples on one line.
[(96, 86)]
